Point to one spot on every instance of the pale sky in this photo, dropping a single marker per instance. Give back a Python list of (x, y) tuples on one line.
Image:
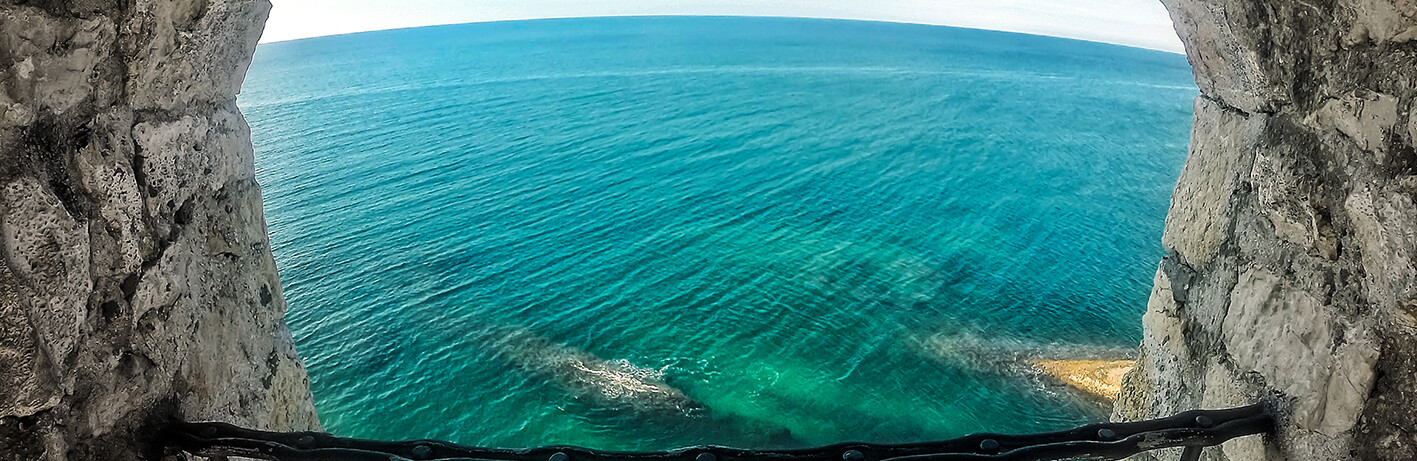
[(1142, 23)]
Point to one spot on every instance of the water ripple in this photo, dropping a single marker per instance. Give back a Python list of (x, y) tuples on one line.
[(819, 230)]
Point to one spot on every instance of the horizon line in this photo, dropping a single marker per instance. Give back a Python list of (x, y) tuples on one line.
[(651, 15)]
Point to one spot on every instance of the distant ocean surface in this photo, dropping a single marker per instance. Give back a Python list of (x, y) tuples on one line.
[(817, 230)]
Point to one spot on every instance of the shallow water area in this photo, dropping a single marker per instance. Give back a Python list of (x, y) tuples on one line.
[(813, 230)]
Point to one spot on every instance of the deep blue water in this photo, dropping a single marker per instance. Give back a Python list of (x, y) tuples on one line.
[(818, 230)]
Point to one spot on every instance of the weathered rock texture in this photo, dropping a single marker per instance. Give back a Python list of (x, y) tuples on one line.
[(137, 281), (1292, 232)]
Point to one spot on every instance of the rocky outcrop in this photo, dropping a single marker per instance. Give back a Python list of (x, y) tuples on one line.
[(1101, 379), (1292, 233), (137, 281)]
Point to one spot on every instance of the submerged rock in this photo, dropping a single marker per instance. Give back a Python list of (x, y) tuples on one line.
[(1099, 378), (977, 352), (605, 384), (1094, 370)]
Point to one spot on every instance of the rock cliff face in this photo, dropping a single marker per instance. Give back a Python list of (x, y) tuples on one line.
[(1292, 233), (137, 282)]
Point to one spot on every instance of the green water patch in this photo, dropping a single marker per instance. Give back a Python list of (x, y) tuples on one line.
[(861, 356), (817, 230)]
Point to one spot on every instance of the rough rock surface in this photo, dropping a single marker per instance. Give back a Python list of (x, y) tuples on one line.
[(1101, 379), (137, 282), (1290, 276)]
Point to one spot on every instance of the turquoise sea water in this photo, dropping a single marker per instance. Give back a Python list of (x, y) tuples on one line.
[(816, 230)]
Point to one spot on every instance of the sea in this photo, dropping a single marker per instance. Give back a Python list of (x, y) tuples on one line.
[(795, 232)]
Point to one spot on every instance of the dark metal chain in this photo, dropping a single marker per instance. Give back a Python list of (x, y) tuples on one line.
[(1104, 441)]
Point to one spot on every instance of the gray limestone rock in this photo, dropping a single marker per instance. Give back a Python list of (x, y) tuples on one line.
[(1295, 213), (137, 282)]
